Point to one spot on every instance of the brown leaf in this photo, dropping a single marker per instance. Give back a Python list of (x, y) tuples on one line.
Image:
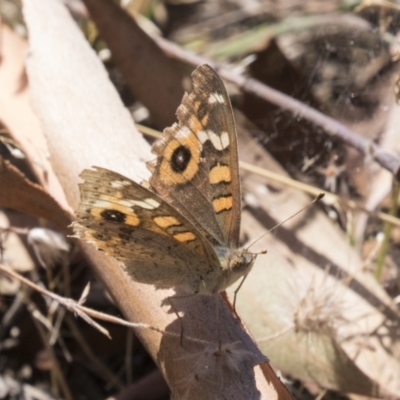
[(22, 195)]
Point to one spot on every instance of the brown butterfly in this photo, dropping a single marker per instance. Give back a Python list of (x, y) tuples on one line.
[(184, 231)]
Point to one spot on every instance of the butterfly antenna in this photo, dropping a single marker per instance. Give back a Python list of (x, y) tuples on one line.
[(318, 198)]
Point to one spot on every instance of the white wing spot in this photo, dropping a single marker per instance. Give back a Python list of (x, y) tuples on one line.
[(202, 136), (119, 184), (153, 202), (101, 204), (183, 132), (148, 204), (220, 142), (126, 203), (216, 98), (224, 140)]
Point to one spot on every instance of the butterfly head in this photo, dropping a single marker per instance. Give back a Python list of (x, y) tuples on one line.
[(236, 264)]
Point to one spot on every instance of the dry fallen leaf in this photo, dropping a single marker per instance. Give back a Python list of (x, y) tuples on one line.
[(30, 198)]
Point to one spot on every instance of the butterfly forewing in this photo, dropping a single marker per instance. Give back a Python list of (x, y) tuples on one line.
[(155, 243), (196, 170)]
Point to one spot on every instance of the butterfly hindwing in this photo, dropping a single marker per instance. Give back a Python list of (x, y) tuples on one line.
[(156, 244), (196, 170)]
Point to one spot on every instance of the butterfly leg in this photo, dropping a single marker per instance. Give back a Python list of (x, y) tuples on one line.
[(236, 292)]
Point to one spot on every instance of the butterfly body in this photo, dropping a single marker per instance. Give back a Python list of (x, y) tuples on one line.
[(184, 230)]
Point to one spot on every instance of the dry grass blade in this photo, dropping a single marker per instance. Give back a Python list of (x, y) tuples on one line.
[(84, 295)]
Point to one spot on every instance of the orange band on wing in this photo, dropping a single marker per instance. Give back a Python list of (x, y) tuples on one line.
[(184, 236), (219, 173), (166, 221), (222, 203)]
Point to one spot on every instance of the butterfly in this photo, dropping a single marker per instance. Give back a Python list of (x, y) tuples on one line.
[(182, 229)]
